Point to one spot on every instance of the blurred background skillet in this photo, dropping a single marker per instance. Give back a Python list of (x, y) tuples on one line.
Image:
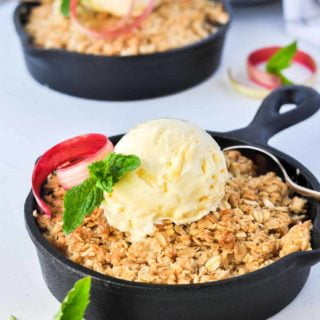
[(121, 78), (250, 2)]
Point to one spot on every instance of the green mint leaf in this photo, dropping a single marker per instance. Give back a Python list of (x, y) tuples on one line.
[(76, 301), (110, 170), (284, 80), (121, 164), (98, 170), (281, 60), (106, 184), (80, 201), (13, 318), (65, 7)]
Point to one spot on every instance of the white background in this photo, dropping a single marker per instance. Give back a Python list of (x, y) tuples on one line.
[(33, 118)]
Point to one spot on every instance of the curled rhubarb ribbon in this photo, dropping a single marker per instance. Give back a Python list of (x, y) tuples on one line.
[(124, 26), (70, 159), (268, 80), (247, 90)]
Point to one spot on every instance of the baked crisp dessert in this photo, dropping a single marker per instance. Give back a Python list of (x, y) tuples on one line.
[(257, 223), (172, 24)]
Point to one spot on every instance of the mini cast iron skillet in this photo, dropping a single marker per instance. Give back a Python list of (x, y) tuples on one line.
[(254, 296), (120, 78), (239, 3)]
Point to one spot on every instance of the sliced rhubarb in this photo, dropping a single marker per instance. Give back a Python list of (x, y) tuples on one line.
[(70, 159), (125, 25), (268, 80)]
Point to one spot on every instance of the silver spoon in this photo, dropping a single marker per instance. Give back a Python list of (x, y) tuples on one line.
[(262, 158)]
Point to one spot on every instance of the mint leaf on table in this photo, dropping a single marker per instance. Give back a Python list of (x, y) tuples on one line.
[(81, 200), (76, 301), (282, 60), (284, 79), (65, 7), (12, 318)]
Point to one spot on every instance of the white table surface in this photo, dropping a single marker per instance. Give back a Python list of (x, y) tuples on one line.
[(33, 118)]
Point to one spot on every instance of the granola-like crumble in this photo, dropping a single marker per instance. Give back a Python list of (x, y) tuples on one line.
[(257, 223), (173, 24)]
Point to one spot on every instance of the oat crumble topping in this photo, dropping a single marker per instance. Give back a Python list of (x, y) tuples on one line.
[(257, 223), (173, 24)]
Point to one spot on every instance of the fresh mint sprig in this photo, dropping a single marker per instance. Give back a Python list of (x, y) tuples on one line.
[(109, 171), (65, 8), (76, 301), (282, 60), (81, 200)]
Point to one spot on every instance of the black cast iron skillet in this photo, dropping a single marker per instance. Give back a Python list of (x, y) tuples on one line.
[(120, 78), (240, 3), (256, 295)]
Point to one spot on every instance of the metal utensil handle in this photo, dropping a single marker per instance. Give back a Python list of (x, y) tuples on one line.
[(305, 191), (269, 121)]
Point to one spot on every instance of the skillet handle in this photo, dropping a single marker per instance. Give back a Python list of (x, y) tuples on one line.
[(269, 121)]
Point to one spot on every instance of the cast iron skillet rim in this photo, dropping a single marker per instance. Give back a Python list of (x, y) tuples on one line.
[(27, 40), (251, 278)]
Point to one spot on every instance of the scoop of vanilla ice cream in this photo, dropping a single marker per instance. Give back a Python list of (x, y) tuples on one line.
[(118, 7), (182, 177)]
